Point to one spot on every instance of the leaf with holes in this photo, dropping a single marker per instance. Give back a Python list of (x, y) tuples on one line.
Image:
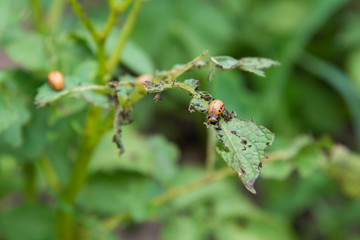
[(199, 102), (244, 143), (250, 64)]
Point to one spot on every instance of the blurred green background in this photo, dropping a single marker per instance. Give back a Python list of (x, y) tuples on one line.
[(310, 184)]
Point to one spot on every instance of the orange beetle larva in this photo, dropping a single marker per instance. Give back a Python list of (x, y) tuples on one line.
[(56, 80), (216, 107), (142, 79)]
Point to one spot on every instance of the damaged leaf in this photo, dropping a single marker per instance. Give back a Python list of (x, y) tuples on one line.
[(200, 100), (121, 117), (244, 144), (249, 64)]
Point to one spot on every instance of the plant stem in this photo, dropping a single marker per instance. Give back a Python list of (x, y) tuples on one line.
[(92, 134), (30, 173), (36, 14), (101, 59), (177, 191), (84, 19), (54, 15), (115, 56), (115, 10), (50, 174)]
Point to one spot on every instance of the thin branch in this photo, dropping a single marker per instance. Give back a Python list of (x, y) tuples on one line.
[(37, 15), (115, 10), (115, 57), (84, 19), (54, 14)]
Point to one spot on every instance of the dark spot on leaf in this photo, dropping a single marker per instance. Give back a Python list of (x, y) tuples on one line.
[(233, 132), (243, 171), (250, 146), (220, 136), (244, 148), (243, 141), (267, 143), (260, 165)]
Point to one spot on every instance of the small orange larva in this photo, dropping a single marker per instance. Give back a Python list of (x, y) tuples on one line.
[(216, 107), (142, 79), (56, 80)]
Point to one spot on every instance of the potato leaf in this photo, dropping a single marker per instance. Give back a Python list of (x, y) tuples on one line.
[(245, 143), (47, 95), (249, 64)]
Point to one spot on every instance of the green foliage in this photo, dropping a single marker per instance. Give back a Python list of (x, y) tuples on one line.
[(62, 153)]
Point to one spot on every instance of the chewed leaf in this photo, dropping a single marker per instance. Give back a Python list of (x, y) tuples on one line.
[(244, 144), (250, 64), (256, 65), (121, 117), (158, 87), (198, 105), (47, 95), (192, 83), (200, 101)]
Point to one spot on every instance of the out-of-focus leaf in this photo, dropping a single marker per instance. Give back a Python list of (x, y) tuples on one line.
[(183, 227), (336, 78), (106, 195), (8, 115), (30, 45), (245, 144), (136, 59), (150, 156), (86, 71), (19, 115), (250, 64), (47, 95), (352, 64), (344, 167), (309, 160), (35, 223), (278, 169)]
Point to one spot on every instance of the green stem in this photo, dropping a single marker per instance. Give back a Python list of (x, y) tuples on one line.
[(36, 14), (30, 174), (177, 191), (115, 56), (115, 10), (101, 59), (84, 19), (92, 134), (49, 174), (54, 15)]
